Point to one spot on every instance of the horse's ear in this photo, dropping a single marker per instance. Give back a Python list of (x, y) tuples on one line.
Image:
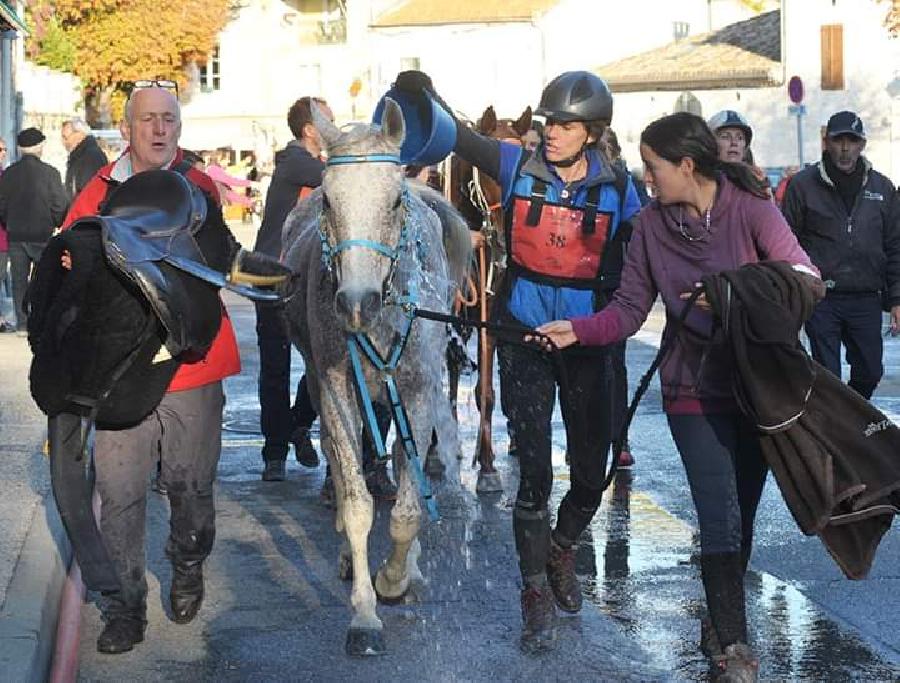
[(523, 124), (487, 124), (323, 124), (393, 127)]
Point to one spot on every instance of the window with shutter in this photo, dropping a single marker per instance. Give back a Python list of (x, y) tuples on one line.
[(833, 57)]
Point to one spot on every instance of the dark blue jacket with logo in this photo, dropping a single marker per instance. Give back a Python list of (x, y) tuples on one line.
[(515, 169), (856, 251)]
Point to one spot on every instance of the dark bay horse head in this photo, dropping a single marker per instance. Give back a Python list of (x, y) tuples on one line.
[(364, 210)]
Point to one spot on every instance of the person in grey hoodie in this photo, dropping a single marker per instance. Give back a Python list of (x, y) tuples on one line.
[(708, 216)]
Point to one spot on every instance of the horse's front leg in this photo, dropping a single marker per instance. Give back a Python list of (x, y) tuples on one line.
[(401, 567), (489, 480), (355, 507)]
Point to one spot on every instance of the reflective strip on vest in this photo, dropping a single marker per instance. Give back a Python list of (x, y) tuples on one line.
[(558, 245)]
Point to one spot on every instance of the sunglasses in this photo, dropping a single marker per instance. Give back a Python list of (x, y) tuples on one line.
[(156, 83)]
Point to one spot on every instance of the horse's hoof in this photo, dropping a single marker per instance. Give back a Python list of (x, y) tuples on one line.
[(489, 482), (345, 568), (365, 642), (388, 594)]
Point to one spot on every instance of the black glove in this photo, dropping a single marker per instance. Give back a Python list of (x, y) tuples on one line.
[(255, 268), (418, 82), (414, 82)]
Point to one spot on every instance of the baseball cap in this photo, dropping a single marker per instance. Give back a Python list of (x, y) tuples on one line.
[(845, 123)]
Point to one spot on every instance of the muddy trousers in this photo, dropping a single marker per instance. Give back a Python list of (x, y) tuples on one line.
[(185, 434), (531, 382), (726, 472)]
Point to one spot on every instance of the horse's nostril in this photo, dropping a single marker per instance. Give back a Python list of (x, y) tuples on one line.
[(357, 307), (370, 304)]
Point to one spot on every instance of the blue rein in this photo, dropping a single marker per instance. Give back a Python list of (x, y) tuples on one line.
[(359, 345)]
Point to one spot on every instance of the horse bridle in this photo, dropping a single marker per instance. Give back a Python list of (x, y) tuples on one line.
[(329, 252)]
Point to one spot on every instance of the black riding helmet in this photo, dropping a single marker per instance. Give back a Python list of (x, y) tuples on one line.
[(576, 96)]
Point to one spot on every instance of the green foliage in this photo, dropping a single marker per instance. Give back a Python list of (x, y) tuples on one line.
[(56, 48)]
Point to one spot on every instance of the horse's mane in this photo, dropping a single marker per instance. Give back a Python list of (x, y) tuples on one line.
[(360, 138), (457, 242)]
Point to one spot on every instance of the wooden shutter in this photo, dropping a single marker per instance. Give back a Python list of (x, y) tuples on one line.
[(833, 57)]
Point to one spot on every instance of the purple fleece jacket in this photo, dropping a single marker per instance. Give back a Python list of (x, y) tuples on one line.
[(743, 229)]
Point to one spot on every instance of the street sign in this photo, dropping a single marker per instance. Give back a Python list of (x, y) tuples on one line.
[(797, 109), (795, 89)]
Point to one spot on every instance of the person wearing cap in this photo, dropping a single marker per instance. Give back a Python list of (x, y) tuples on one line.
[(33, 203), (847, 217), (565, 215)]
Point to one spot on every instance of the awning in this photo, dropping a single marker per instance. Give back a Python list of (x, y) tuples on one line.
[(10, 20)]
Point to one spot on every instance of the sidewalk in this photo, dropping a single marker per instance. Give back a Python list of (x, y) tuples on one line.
[(33, 549)]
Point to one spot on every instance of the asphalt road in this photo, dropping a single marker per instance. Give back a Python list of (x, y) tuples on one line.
[(276, 610)]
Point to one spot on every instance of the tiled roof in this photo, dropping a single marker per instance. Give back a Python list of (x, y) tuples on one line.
[(438, 12), (745, 54)]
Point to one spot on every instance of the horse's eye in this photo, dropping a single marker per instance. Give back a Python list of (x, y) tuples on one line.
[(398, 202), (325, 203)]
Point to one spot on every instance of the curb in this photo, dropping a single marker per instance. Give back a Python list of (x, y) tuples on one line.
[(29, 615)]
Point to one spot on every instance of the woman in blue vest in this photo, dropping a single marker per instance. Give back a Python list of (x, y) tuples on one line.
[(564, 207)]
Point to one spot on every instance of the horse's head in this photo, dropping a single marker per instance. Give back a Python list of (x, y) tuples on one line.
[(363, 213)]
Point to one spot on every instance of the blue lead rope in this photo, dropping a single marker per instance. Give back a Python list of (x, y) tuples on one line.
[(360, 343)]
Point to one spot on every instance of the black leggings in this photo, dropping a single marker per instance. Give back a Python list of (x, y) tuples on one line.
[(726, 472), (530, 385)]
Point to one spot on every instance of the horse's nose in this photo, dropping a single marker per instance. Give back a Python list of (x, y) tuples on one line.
[(357, 308)]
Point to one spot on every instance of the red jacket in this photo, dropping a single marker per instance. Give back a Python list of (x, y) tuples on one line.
[(222, 359)]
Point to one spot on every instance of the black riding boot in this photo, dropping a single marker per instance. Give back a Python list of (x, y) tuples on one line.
[(723, 579), (532, 533)]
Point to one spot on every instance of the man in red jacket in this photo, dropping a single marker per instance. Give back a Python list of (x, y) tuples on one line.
[(184, 431)]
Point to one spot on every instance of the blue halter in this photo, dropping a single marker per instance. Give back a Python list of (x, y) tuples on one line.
[(329, 252), (359, 346)]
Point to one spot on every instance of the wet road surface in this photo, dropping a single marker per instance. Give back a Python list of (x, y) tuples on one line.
[(275, 609)]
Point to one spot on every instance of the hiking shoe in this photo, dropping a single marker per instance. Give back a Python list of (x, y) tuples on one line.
[(274, 471), (737, 664), (304, 450), (120, 635), (327, 496), (186, 594), (379, 483), (626, 460), (538, 619), (562, 578)]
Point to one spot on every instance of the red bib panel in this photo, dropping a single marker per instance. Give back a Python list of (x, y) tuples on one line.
[(558, 246)]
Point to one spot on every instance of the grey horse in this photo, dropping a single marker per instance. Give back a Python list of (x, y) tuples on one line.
[(384, 241)]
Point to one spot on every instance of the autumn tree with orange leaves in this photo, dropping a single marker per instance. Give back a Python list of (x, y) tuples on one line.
[(109, 44), (892, 20)]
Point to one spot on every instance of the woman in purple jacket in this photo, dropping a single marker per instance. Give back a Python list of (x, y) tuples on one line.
[(708, 216)]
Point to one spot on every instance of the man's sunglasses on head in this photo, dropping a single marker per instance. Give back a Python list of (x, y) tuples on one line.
[(156, 83)]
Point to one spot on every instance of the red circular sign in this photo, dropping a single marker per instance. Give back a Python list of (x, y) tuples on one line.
[(795, 89)]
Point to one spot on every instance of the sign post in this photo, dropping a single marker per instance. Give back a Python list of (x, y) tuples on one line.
[(798, 109)]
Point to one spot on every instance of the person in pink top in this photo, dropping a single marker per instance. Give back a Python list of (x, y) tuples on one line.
[(708, 216)]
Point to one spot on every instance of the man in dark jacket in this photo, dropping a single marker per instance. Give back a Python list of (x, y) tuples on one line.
[(847, 217), (298, 170), (85, 155), (33, 203)]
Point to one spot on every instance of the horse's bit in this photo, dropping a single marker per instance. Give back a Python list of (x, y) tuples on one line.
[(359, 344)]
